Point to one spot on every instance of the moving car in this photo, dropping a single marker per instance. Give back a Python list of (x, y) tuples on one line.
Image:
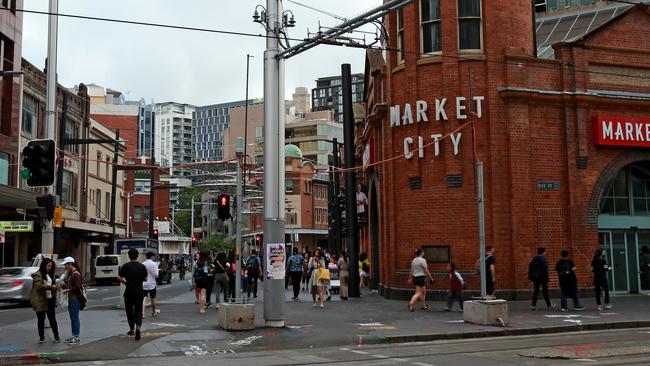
[(107, 268), (164, 274), (16, 284)]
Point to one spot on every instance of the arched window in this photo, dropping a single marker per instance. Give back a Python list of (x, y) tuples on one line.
[(629, 192)]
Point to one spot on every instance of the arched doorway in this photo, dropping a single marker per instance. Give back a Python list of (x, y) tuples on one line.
[(374, 236), (624, 225)]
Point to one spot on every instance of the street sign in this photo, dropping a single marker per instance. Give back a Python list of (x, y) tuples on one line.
[(548, 186), (17, 226), (57, 221)]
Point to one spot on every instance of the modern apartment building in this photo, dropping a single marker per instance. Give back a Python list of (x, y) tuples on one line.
[(313, 134), (173, 135), (327, 95)]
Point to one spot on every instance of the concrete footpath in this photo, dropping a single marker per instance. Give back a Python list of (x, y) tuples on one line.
[(181, 331)]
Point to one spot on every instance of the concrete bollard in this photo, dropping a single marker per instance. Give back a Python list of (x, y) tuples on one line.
[(486, 312), (237, 316)]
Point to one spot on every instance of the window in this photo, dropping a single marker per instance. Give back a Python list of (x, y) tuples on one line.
[(108, 168), (67, 193), (469, 24), (430, 20), (259, 132), (288, 184), (98, 204), (437, 254), (146, 213), (71, 132), (142, 185), (628, 193), (4, 168), (98, 162), (29, 115), (137, 214), (400, 36), (107, 203), (540, 5)]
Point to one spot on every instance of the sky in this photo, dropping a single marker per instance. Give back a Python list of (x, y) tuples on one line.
[(164, 65)]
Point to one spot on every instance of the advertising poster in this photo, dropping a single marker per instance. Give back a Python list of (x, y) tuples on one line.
[(275, 261)]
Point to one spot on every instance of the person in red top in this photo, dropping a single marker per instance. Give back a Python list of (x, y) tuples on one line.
[(456, 284)]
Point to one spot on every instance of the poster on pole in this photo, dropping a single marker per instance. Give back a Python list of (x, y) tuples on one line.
[(275, 261)]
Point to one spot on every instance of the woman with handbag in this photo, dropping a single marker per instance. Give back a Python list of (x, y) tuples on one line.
[(221, 277), (316, 281), (201, 270), (418, 277), (44, 299), (344, 274)]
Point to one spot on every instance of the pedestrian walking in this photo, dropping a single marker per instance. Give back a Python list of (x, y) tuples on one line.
[(316, 284), (133, 275), (344, 274), (232, 274), (221, 269), (305, 271), (210, 282), (253, 265), (327, 284), (149, 285), (201, 278), (538, 274), (456, 285), (565, 269), (418, 277), (600, 268), (76, 297), (181, 269), (364, 270), (43, 299), (195, 262), (644, 263), (490, 272), (295, 272)]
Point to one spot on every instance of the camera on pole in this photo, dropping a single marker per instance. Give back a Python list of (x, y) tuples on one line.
[(223, 207), (39, 161)]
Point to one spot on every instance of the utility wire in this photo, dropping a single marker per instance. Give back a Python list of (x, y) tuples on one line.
[(319, 10)]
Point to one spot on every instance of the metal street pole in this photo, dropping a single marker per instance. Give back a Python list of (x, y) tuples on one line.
[(273, 161), (192, 219), (481, 224), (47, 239), (248, 64), (239, 199), (128, 215), (350, 182)]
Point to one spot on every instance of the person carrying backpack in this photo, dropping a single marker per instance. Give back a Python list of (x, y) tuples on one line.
[(538, 274), (565, 269), (456, 285), (295, 272), (253, 264)]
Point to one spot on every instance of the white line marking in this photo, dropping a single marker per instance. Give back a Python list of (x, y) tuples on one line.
[(110, 298), (359, 352), (379, 356), (398, 359), (422, 364), (584, 360), (344, 349)]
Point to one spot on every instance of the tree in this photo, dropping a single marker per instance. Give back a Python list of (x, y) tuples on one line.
[(184, 218), (216, 243)]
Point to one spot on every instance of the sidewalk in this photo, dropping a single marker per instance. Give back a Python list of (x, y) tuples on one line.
[(181, 331)]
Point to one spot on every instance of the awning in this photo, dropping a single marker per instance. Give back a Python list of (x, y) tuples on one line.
[(93, 228), (303, 231), (174, 245), (17, 198)]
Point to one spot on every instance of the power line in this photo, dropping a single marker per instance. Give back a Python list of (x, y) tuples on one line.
[(318, 10)]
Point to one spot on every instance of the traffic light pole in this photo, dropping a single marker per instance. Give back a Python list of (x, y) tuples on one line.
[(59, 167), (239, 199)]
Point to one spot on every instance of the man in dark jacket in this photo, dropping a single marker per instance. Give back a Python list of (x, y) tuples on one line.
[(565, 269), (538, 273)]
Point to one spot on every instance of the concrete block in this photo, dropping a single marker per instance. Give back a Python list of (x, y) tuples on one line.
[(237, 316), (486, 312)]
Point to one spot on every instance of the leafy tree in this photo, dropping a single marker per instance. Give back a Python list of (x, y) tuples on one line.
[(216, 243)]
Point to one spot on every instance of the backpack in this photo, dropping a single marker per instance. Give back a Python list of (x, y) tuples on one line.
[(564, 272), (252, 264), (534, 271)]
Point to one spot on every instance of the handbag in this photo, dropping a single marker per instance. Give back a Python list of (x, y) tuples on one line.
[(323, 274), (224, 272)]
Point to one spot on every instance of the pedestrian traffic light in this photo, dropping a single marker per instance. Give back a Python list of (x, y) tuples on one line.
[(223, 207), (154, 234), (46, 206), (194, 240), (258, 241), (39, 161)]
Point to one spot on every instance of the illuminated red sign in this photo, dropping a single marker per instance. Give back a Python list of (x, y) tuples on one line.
[(621, 131)]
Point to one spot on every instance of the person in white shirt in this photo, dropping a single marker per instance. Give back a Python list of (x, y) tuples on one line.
[(362, 201), (149, 286)]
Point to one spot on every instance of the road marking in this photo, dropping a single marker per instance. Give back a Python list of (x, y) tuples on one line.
[(379, 356), (422, 364), (584, 360), (359, 352), (344, 349), (110, 298)]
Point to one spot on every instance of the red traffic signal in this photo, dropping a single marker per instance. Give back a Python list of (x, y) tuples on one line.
[(258, 240), (194, 240), (154, 234), (223, 207)]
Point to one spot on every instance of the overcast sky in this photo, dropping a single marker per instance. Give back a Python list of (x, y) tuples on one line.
[(184, 66)]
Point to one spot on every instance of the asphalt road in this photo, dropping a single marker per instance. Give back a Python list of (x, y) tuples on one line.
[(617, 347), (99, 297)]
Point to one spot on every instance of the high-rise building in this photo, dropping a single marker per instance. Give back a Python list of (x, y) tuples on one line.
[(327, 95), (174, 135)]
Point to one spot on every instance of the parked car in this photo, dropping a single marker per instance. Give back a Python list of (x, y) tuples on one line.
[(164, 274), (107, 268), (16, 284)]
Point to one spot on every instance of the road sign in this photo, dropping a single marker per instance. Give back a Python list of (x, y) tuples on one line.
[(548, 186), (58, 217), (17, 226)]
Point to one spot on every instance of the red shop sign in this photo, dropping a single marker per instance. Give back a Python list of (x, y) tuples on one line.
[(621, 131)]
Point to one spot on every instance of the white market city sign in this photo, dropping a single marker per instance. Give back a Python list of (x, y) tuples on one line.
[(407, 116)]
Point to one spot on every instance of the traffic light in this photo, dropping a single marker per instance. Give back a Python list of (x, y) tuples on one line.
[(223, 207), (154, 234), (46, 206), (258, 241), (194, 240), (39, 161)]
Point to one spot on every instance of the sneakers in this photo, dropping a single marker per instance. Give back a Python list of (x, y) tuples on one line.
[(579, 308), (131, 332), (447, 309), (72, 340), (553, 306), (321, 306), (137, 333), (41, 341), (608, 306), (56, 340), (533, 308), (599, 308), (155, 313), (564, 310)]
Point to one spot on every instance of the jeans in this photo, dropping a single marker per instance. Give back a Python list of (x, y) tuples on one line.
[(51, 316), (208, 289), (569, 291), (133, 308), (544, 286), (597, 287), (73, 309), (295, 282), (455, 295), (253, 276), (220, 280)]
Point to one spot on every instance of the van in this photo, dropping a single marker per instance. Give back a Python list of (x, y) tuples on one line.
[(107, 268)]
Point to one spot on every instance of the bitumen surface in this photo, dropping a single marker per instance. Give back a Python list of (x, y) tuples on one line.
[(369, 320)]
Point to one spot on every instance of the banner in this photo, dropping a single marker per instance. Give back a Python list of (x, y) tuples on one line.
[(17, 226), (275, 261)]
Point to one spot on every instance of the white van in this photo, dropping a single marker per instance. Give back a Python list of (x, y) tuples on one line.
[(107, 268)]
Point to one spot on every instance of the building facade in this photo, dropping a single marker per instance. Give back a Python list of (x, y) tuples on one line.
[(562, 140), (327, 94), (174, 136), (563, 5), (313, 133)]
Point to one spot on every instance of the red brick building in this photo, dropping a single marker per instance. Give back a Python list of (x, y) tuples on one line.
[(549, 132)]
